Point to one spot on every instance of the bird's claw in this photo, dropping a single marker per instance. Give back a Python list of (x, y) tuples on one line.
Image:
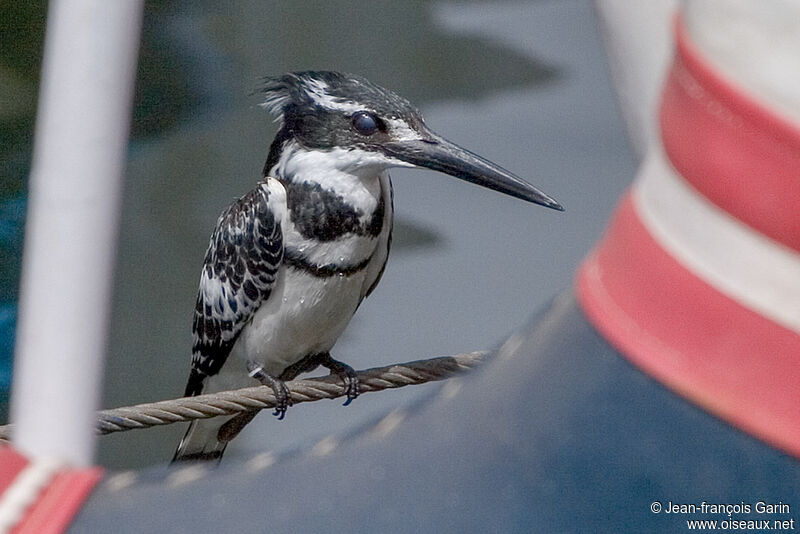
[(282, 399), (352, 386)]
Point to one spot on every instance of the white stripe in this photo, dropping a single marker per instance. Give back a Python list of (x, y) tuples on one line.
[(24, 491), (747, 266), (317, 90), (401, 131)]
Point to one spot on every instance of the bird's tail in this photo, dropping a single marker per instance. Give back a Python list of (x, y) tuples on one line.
[(203, 440)]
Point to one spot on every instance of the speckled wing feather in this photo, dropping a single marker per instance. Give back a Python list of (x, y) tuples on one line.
[(239, 272)]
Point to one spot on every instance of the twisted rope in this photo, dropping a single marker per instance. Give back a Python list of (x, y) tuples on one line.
[(260, 397)]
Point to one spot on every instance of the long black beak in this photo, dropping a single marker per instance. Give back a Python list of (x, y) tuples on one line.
[(439, 154)]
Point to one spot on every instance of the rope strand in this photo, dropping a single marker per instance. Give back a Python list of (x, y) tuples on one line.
[(260, 397)]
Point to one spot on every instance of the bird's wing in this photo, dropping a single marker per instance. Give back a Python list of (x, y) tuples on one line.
[(239, 273)]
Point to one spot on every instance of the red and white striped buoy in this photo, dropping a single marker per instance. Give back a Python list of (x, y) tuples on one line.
[(697, 279)]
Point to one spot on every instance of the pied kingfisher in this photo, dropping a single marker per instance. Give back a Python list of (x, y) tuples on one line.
[(289, 262)]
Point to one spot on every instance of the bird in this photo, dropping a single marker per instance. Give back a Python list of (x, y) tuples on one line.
[(289, 262)]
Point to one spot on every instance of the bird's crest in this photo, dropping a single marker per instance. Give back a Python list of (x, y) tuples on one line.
[(329, 90)]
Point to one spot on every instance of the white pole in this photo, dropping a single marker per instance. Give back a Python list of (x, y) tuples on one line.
[(74, 196)]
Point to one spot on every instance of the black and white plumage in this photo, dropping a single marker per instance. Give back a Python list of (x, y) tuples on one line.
[(239, 271), (289, 263)]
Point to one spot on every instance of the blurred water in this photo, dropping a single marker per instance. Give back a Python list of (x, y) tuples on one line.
[(523, 84), (12, 221)]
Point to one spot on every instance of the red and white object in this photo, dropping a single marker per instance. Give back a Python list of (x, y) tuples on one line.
[(40, 496), (697, 280)]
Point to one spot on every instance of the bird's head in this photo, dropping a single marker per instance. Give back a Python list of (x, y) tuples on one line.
[(362, 124)]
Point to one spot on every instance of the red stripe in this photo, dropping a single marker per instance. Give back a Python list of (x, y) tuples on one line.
[(11, 464), (56, 506), (60, 502), (734, 362), (731, 148)]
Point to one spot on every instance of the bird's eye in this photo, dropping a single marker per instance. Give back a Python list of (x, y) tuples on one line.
[(365, 123)]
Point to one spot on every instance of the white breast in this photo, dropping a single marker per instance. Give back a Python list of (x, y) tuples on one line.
[(306, 314)]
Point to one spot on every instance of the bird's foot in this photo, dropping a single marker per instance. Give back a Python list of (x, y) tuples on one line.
[(352, 387), (282, 398)]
